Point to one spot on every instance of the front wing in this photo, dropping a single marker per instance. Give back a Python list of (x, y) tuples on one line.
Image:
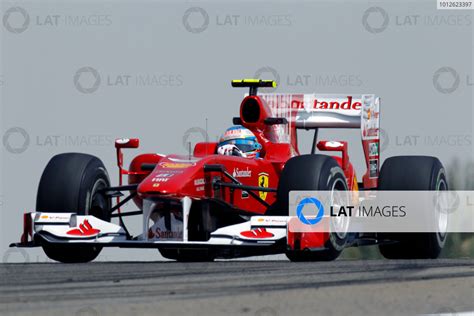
[(261, 235)]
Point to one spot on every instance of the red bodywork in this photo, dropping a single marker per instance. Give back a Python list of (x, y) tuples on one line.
[(175, 177)]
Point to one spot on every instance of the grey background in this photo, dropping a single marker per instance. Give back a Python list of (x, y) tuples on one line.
[(397, 50)]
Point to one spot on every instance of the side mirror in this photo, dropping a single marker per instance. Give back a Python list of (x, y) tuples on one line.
[(127, 143)]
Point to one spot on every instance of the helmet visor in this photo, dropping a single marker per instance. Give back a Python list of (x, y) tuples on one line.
[(245, 146)]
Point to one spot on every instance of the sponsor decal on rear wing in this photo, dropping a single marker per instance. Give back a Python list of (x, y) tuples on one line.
[(313, 111), (309, 111)]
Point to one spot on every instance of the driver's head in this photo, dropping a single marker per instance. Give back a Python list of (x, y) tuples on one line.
[(239, 141)]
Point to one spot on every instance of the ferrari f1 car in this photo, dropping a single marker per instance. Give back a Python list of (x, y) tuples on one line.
[(204, 206)]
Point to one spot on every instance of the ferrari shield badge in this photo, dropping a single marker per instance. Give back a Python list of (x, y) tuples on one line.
[(263, 183)]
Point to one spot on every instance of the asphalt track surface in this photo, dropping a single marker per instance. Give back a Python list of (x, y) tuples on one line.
[(260, 288)]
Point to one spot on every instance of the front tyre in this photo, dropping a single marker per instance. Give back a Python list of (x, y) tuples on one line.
[(72, 182), (413, 173), (312, 173)]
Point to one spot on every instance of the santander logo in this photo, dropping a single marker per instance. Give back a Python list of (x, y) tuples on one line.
[(326, 104), (242, 173), (257, 233), (85, 229)]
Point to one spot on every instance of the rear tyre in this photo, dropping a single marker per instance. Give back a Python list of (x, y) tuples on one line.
[(413, 173), (72, 182), (312, 173)]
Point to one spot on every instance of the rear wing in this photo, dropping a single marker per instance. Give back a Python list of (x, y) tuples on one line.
[(314, 111), (310, 111), (275, 117)]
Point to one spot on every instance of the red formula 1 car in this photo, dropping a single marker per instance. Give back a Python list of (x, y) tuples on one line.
[(205, 206)]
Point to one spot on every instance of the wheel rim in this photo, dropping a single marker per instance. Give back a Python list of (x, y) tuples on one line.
[(339, 197), (442, 215), (98, 202)]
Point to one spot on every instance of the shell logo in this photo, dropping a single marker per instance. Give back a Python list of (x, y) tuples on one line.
[(176, 165)]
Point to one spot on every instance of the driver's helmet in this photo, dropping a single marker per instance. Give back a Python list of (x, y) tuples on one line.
[(239, 141)]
